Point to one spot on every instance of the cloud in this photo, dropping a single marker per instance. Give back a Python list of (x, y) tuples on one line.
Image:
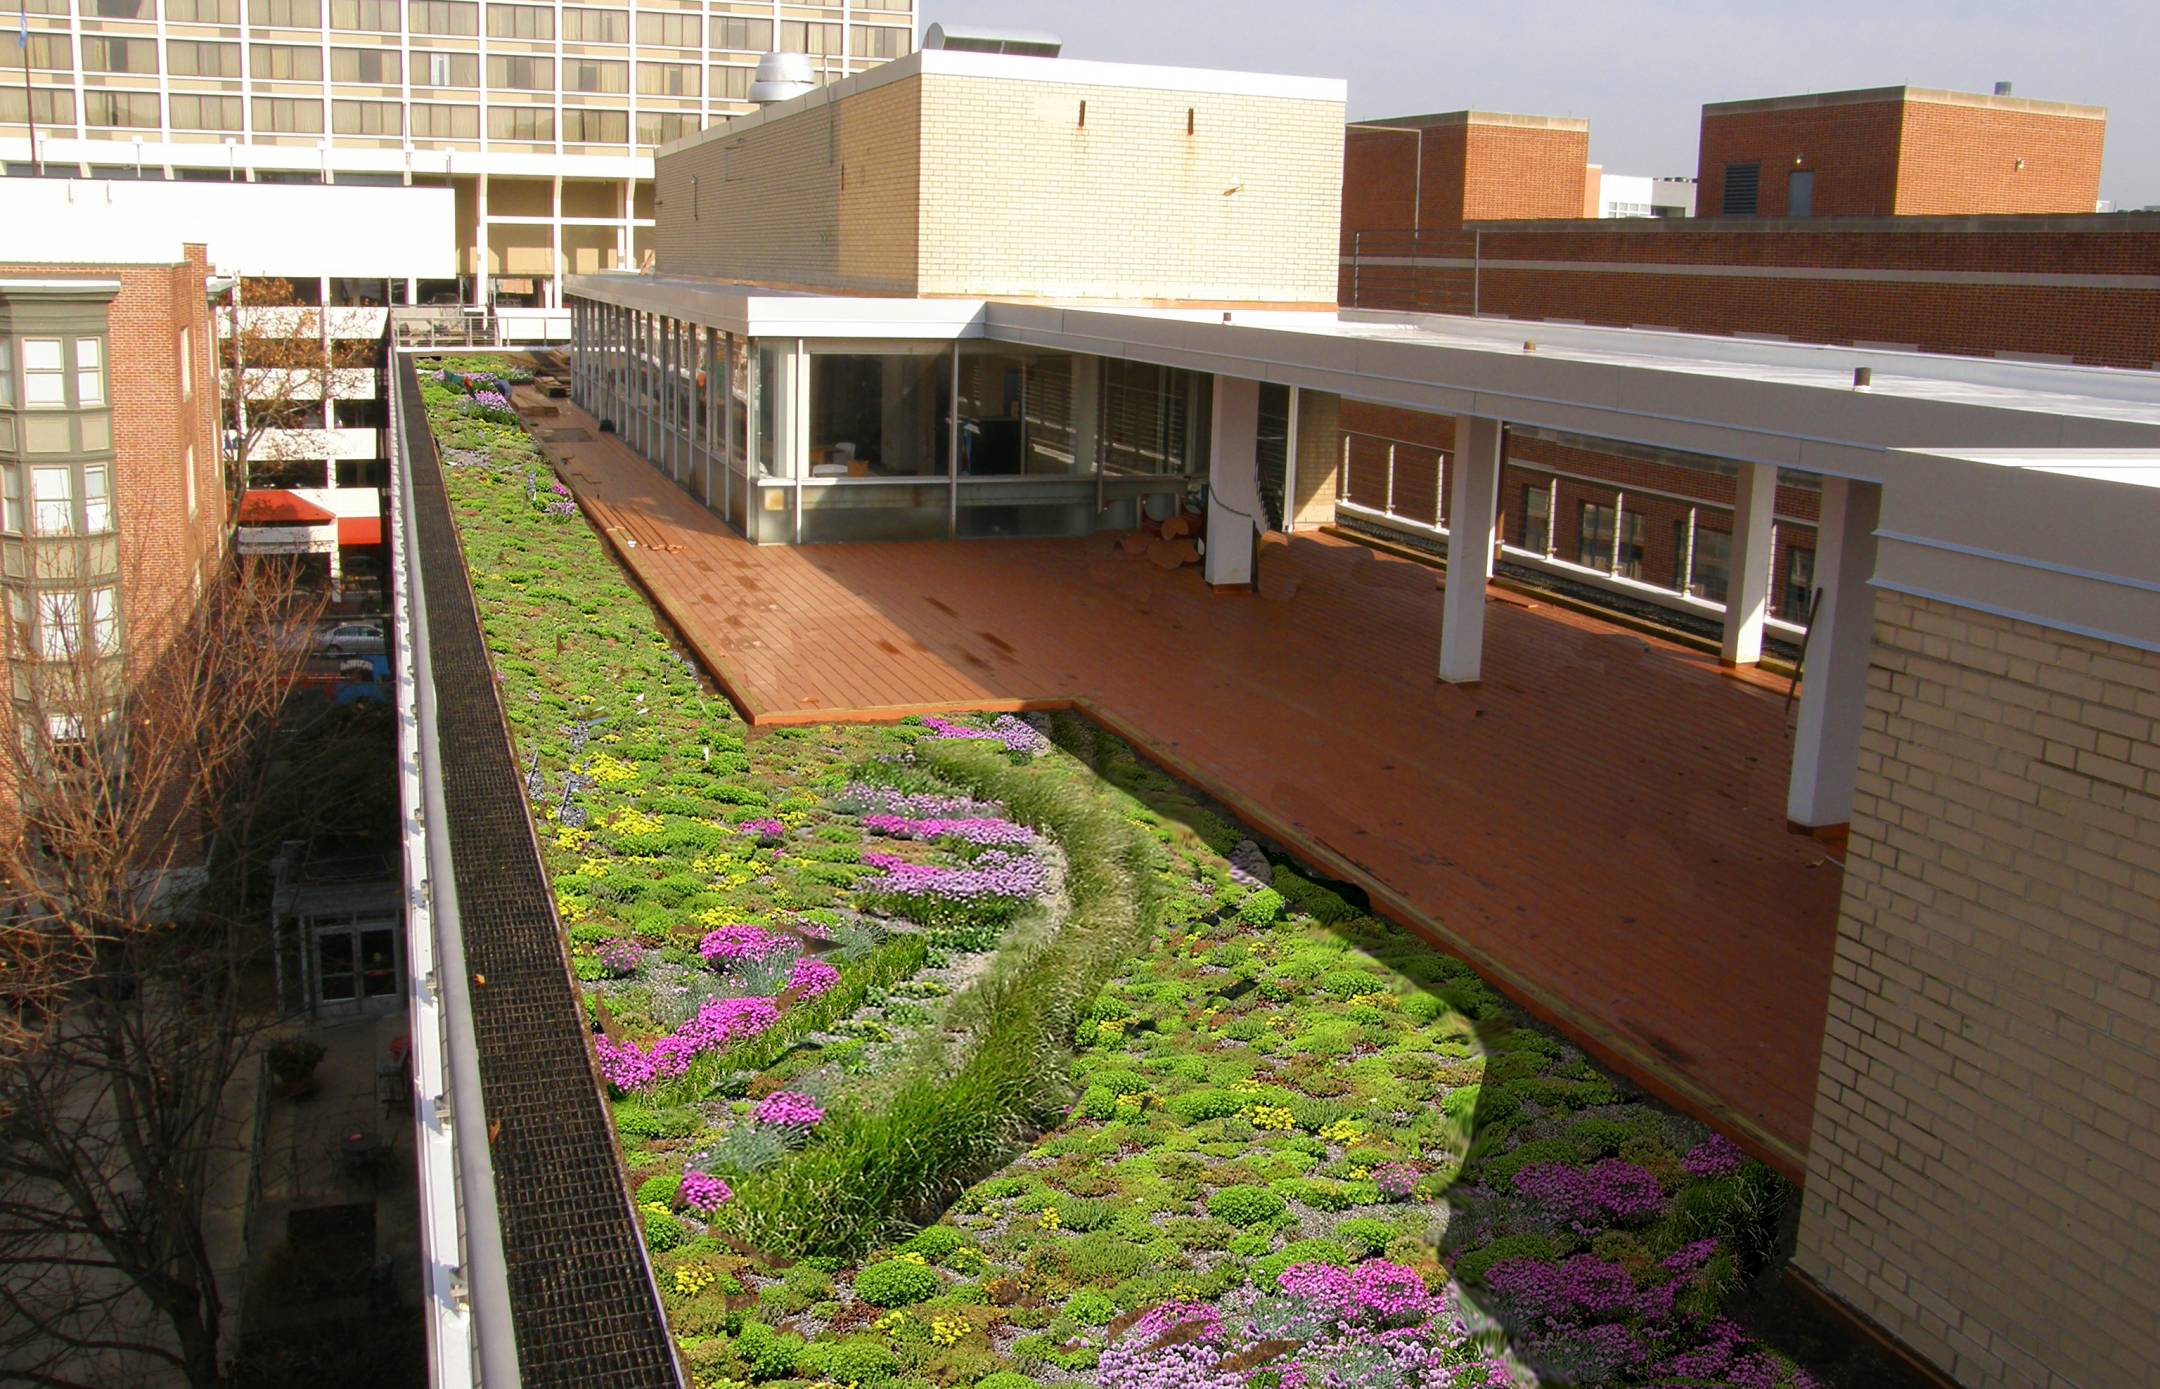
[(1640, 70)]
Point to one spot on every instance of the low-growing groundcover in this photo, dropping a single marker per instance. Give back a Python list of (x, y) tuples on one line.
[(958, 1052)]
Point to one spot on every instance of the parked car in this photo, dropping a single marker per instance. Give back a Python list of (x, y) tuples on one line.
[(350, 639)]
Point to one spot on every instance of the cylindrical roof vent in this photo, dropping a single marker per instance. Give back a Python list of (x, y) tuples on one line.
[(780, 76)]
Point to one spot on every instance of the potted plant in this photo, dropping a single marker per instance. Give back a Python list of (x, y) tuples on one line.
[(292, 1065)]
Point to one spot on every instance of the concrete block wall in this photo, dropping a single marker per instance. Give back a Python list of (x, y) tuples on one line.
[(1984, 1172), (824, 198), (1319, 455), (1162, 195)]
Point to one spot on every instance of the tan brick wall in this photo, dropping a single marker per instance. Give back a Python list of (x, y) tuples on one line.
[(946, 184), (1984, 1174), (1023, 201), (1319, 458), (825, 198)]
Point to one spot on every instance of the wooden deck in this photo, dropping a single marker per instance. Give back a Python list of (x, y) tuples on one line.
[(1598, 827)]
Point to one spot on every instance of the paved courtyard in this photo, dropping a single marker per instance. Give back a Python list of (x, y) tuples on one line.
[(1598, 827)]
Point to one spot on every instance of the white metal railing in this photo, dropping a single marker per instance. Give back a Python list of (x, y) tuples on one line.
[(456, 1179), (1546, 562)]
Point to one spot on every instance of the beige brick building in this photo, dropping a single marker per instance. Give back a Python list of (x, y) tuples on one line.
[(1984, 1178), (959, 174)]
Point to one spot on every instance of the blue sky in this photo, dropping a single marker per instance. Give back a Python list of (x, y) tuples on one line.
[(1640, 70)]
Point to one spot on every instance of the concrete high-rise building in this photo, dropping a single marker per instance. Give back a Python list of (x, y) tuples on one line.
[(541, 117)]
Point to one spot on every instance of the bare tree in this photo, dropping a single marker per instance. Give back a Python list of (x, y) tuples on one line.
[(282, 360), (130, 928)]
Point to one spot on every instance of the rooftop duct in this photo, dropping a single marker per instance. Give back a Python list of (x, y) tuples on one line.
[(1023, 43), (780, 76)]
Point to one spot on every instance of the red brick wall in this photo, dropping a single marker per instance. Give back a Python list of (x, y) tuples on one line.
[(1380, 179), (2103, 324), (161, 546), (1523, 172), (1907, 158), (1964, 159), (1852, 150)]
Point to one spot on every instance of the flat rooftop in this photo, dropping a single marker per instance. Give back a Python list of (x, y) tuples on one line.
[(1936, 96)]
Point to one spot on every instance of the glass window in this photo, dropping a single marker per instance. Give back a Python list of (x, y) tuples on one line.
[(517, 72), (97, 499), (1711, 573), (52, 496), (595, 75), (292, 14), (803, 36), (365, 118), (46, 53), (446, 122), (379, 66), (596, 127), (191, 112), (667, 79), (670, 30), (192, 59), (879, 415), (121, 110), (1631, 544), (533, 124), (104, 54), (445, 70), (20, 627), (731, 83), (202, 11), (288, 115), (59, 623), (659, 127), (285, 62), (742, 35), (596, 26), (365, 16), (1593, 547), (520, 22), (187, 470), (1016, 415), (104, 621), (1152, 420), (11, 507), (457, 17), (7, 373), (44, 373), (867, 41), (1799, 584), (1537, 518)]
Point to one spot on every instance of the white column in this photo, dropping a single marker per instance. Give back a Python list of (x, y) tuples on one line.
[(1289, 463), (1473, 504), (1833, 682), (1747, 595), (1233, 482)]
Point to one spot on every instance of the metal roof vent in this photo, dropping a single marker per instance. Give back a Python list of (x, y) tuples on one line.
[(967, 38), (2002, 89), (780, 76)]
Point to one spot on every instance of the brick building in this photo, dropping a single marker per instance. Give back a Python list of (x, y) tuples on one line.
[(1438, 172), (1898, 152), (1889, 251), (110, 467)]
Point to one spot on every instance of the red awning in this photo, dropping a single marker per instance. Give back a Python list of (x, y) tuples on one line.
[(359, 530), (266, 506)]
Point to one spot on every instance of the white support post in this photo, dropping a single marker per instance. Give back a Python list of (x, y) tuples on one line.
[(1833, 683), (1747, 597), (1289, 463), (1233, 482), (1473, 505)]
